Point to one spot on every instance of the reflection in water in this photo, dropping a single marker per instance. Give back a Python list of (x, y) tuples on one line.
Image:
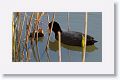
[(39, 39), (54, 47)]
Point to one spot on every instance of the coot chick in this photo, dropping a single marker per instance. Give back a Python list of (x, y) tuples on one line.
[(34, 33), (70, 37)]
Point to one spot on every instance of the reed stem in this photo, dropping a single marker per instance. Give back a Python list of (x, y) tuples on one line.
[(28, 28), (47, 45), (68, 21), (59, 39), (85, 31), (13, 39), (48, 19), (19, 35)]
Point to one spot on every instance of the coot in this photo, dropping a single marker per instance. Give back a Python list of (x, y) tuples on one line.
[(34, 33), (72, 38)]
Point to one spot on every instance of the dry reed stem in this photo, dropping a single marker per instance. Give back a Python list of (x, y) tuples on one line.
[(13, 39), (38, 17), (59, 39), (69, 55), (33, 33), (28, 55), (28, 34), (37, 22), (19, 34), (20, 24), (84, 47), (15, 36), (22, 56), (28, 27), (34, 53), (48, 18), (47, 45), (68, 21), (52, 23)]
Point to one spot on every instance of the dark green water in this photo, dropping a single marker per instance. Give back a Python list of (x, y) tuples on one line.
[(69, 53)]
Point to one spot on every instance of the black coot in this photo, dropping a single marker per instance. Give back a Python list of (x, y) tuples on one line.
[(70, 37), (34, 34)]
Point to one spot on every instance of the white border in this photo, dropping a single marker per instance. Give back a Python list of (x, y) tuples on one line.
[(104, 67)]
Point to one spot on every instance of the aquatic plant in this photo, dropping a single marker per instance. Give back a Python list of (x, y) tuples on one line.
[(48, 39), (84, 38), (59, 53), (68, 20), (13, 39)]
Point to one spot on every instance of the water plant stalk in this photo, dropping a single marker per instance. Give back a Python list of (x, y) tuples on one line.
[(59, 53), (85, 36), (68, 19), (47, 45)]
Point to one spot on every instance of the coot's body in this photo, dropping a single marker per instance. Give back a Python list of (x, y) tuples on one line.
[(74, 38), (35, 35), (71, 37)]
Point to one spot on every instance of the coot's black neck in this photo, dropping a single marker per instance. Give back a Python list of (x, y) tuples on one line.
[(56, 27)]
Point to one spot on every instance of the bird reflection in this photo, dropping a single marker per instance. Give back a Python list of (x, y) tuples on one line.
[(39, 39), (54, 47)]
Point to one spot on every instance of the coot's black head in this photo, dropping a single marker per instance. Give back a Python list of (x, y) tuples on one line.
[(91, 42), (55, 28)]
